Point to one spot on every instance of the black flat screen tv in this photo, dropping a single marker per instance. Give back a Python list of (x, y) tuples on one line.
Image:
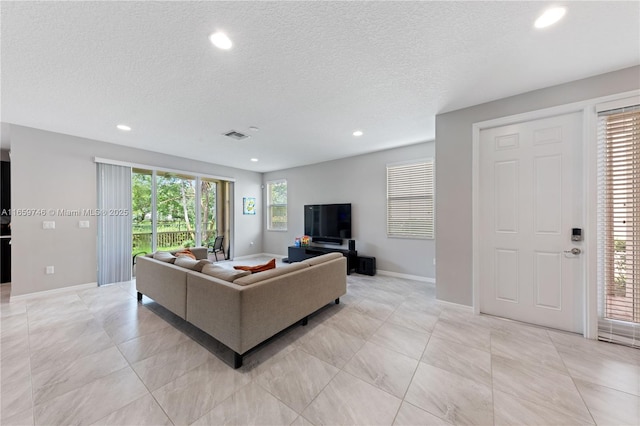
[(327, 220)]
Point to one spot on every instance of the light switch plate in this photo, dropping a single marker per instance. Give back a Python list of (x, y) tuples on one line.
[(49, 224), (49, 270), (84, 224)]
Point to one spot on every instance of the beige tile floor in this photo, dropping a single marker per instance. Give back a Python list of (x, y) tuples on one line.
[(388, 354)]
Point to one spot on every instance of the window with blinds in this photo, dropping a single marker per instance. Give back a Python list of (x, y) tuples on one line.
[(619, 225), (277, 205), (410, 204)]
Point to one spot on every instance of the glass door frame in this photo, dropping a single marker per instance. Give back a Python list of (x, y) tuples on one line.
[(154, 210)]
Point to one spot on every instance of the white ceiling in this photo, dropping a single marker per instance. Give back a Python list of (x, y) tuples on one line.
[(307, 74)]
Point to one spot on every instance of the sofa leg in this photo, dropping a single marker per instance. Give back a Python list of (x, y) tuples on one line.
[(305, 321), (237, 360), (139, 297), (338, 301)]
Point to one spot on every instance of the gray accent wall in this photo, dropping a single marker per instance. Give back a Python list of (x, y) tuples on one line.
[(453, 169), (57, 171), (361, 181)]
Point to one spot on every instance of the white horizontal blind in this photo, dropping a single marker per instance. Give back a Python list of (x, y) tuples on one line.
[(410, 204), (619, 226)]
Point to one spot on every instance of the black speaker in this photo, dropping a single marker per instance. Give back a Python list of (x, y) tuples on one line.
[(366, 265), (352, 245)]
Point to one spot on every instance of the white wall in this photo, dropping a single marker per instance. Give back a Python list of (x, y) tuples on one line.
[(453, 169), (361, 181), (56, 171)]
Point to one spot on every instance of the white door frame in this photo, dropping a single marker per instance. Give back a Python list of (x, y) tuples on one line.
[(589, 184)]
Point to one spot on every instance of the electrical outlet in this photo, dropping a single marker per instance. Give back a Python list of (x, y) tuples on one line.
[(49, 270), (84, 224), (49, 224)]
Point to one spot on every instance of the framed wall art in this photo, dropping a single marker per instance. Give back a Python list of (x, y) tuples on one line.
[(249, 205)]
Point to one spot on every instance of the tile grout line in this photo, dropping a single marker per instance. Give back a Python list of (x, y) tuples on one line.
[(402, 400), (532, 401), (494, 334), (75, 293), (129, 365), (571, 376), (329, 382), (257, 383), (414, 375), (493, 396), (341, 369), (140, 378), (33, 405)]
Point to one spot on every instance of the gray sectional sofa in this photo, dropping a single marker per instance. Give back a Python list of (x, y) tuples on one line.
[(239, 309)]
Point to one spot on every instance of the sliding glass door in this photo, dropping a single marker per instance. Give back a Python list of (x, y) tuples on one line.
[(208, 206), (141, 211), (171, 210), (175, 204)]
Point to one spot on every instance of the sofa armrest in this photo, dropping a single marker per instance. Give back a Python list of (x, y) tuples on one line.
[(163, 282), (242, 317), (274, 304), (214, 307)]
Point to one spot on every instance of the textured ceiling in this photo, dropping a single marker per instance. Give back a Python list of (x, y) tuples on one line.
[(307, 74)]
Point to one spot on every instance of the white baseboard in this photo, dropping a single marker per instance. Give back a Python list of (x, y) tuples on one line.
[(456, 305), (406, 276), (54, 291), (253, 256), (277, 256), (381, 272)]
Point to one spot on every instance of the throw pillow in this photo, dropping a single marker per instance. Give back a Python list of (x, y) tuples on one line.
[(223, 273), (185, 252), (271, 273), (186, 262), (164, 256), (258, 268)]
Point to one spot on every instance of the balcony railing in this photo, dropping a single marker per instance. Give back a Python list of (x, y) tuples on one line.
[(142, 241)]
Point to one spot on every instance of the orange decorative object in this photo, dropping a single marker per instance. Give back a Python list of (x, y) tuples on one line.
[(305, 240), (185, 252), (258, 268)]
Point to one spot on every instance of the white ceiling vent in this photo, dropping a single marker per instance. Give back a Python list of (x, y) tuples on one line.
[(236, 135)]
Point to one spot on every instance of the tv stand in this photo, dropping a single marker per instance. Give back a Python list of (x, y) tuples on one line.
[(298, 254), (327, 240)]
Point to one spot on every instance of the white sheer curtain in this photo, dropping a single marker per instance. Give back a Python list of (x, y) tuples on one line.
[(114, 223)]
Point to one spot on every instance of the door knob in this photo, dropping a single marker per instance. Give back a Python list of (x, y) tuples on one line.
[(574, 251)]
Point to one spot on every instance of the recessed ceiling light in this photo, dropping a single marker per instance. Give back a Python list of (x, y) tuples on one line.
[(255, 160), (550, 17), (253, 128), (357, 133), (123, 127), (220, 40)]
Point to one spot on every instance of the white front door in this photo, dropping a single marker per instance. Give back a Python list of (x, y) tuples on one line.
[(530, 198)]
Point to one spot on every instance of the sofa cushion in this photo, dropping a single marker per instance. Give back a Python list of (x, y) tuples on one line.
[(164, 256), (199, 252), (323, 258), (187, 262), (258, 268), (254, 278), (223, 273), (201, 264), (185, 252)]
